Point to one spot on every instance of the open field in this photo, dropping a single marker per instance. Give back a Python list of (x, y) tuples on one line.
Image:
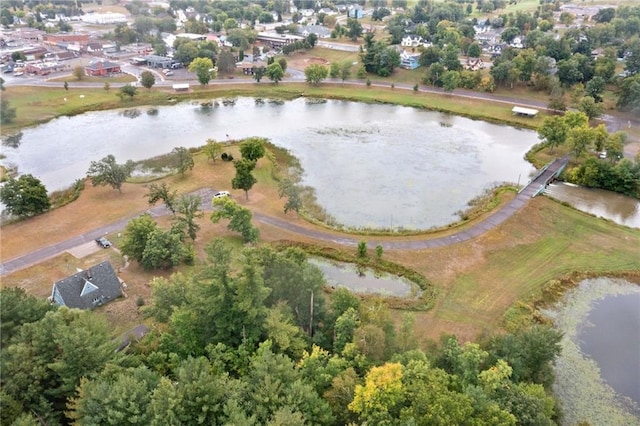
[(476, 282)]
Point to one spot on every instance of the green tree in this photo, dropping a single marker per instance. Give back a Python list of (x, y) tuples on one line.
[(198, 395), (283, 64), (345, 328), (226, 62), (595, 87), (362, 249), (292, 394), (315, 73), (45, 361), (474, 50), (530, 352), (78, 72), (24, 196), (182, 159), (590, 107), (354, 29), (136, 235), (147, 79), (7, 113), (108, 172), (115, 398), (629, 96), (286, 336), (293, 280), (345, 70), (287, 188), (253, 148), (212, 149), (239, 218), (244, 178), (188, 207), (18, 308), (450, 80), (274, 72), (258, 73), (163, 250), (334, 70), (127, 91), (553, 131), (162, 192), (203, 68)]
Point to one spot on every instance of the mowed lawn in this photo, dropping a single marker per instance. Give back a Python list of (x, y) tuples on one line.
[(478, 281)]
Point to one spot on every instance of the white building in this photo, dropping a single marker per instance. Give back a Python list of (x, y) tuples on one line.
[(104, 18)]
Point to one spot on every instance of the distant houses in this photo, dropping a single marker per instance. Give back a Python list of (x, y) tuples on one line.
[(88, 289)]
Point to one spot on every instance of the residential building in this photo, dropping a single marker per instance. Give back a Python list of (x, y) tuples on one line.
[(88, 289)]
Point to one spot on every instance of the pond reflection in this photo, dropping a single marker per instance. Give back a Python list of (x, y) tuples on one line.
[(363, 280)]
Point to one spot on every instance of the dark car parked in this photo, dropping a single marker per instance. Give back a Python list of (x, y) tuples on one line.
[(103, 242)]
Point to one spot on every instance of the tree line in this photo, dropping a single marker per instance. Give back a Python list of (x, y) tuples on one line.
[(251, 337)]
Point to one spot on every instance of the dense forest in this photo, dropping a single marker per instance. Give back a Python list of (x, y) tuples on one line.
[(242, 341)]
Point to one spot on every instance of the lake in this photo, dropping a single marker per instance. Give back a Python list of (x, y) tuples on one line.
[(378, 166)]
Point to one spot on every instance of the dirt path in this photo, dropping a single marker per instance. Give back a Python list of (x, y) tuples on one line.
[(206, 195)]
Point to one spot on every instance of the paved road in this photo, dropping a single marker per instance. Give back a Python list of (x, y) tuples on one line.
[(206, 195)]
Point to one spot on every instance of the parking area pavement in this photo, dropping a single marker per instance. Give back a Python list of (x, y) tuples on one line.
[(84, 249)]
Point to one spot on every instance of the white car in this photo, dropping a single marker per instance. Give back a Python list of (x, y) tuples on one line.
[(221, 194)]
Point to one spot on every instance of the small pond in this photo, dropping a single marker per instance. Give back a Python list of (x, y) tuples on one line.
[(376, 166), (598, 372), (364, 280)]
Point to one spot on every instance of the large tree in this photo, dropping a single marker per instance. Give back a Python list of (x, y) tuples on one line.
[(315, 73), (244, 178), (252, 148), (554, 131), (25, 196), (44, 363), (203, 68), (274, 72), (108, 172), (212, 149), (239, 218), (226, 62), (182, 159), (188, 207), (136, 235), (162, 192), (147, 79)]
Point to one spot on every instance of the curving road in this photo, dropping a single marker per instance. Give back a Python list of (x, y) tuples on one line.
[(206, 194)]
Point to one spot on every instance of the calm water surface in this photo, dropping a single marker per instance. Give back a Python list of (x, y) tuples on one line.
[(610, 205), (613, 341), (598, 370), (362, 280), (377, 166)]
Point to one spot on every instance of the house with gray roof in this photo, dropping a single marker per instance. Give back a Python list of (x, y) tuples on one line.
[(88, 289)]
